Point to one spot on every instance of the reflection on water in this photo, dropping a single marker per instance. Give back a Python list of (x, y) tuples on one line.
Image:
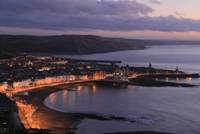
[(52, 98), (162, 109), (64, 95), (94, 88), (189, 78)]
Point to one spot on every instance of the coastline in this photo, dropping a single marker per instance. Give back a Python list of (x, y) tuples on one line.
[(59, 122), (63, 122)]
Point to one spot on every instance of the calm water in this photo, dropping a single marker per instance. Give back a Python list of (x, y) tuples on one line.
[(187, 57), (166, 109)]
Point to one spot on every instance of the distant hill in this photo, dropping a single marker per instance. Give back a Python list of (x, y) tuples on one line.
[(66, 44), (73, 44)]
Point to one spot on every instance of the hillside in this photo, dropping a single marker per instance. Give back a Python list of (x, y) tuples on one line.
[(73, 44), (66, 44)]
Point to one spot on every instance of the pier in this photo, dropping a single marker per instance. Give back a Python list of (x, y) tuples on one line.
[(31, 105), (150, 79)]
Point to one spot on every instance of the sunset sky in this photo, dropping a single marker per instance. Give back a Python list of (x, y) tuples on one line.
[(145, 19)]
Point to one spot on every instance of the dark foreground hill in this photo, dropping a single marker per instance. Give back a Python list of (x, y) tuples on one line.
[(66, 44)]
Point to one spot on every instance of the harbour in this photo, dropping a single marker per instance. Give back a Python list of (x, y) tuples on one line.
[(42, 101), (99, 67)]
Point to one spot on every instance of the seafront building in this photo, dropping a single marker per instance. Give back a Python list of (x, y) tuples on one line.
[(30, 71)]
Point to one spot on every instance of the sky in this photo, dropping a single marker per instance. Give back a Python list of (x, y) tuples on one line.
[(143, 19)]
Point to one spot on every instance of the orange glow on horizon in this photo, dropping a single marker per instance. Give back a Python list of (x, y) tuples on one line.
[(148, 34)]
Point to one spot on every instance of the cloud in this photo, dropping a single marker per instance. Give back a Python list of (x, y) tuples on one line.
[(103, 7), (155, 1), (120, 15), (114, 23)]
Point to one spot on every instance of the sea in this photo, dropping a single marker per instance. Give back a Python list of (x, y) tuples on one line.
[(164, 109)]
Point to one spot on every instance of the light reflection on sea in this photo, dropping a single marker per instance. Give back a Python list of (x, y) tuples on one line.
[(163, 109)]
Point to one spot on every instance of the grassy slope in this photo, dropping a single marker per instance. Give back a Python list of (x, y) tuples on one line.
[(66, 44)]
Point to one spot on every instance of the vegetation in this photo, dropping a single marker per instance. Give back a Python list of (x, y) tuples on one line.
[(7, 54), (11, 45), (66, 44)]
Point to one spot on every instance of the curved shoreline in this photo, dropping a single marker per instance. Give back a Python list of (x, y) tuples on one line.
[(57, 121), (64, 121)]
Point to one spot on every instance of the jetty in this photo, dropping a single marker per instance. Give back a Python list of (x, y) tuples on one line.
[(153, 79)]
